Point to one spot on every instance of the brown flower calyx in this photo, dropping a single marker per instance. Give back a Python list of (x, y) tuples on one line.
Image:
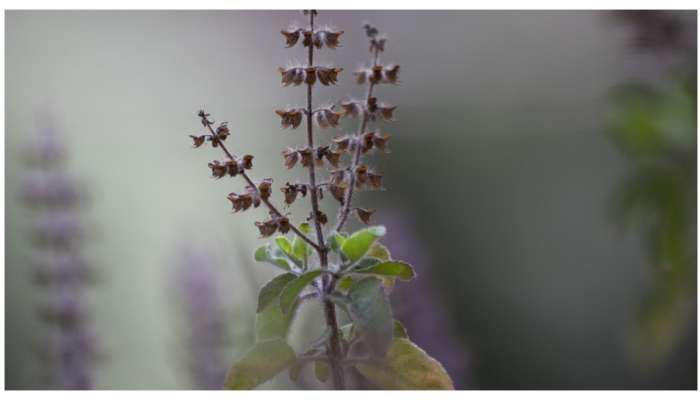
[(204, 116), (374, 181), (297, 75), (222, 131), (364, 215), (291, 118), (371, 140), (246, 162), (377, 110), (291, 190), (265, 188), (242, 202), (361, 175), (218, 169), (337, 177), (199, 140), (380, 141), (307, 156), (321, 217), (343, 143), (378, 74), (352, 108), (272, 225), (326, 36), (377, 43), (338, 193), (291, 156), (327, 118)]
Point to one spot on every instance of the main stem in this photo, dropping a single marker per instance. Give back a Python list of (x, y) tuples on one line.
[(334, 351)]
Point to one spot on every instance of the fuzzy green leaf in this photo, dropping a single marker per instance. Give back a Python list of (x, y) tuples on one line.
[(264, 361), (359, 242), (371, 314), (292, 289), (335, 241), (399, 269), (321, 370), (400, 330), (270, 321), (284, 244), (273, 256), (406, 366), (272, 289), (378, 250), (344, 283)]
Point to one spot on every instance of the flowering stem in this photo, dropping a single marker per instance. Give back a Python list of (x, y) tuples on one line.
[(334, 352), (267, 202), (347, 203)]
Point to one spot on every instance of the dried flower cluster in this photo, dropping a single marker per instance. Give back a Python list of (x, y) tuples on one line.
[(354, 271), (59, 268)]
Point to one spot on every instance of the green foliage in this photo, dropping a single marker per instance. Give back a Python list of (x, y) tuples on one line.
[(371, 313), (398, 269), (271, 322), (357, 245), (366, 270), (293, 288), (265, 360), (406, 366)]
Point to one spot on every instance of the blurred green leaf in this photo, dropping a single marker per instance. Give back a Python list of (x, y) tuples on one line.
[(357, 245), (399, 330), (371, 314), (321, 370), (264, 361), (406, 366), (273, 256), (293, 288), (271, 322), (378, 250), (399, 269)]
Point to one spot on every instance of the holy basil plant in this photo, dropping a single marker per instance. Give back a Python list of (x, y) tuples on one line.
[(374, 345)]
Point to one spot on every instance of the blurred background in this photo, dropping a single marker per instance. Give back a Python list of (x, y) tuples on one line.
[(542, 180)]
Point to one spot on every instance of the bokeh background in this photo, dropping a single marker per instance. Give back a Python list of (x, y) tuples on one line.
[(517, 137)]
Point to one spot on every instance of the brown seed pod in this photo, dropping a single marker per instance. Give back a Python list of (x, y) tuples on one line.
[(327, 37), (380, 141), (291, 36), (290, 193), (232, 168), (265, 188), (267, 228), (338, 193), (327, 118), (218, 170), (375, 180), (222, 131), (283, 224), (306, 156), (333, 157), (351, 108), (391, 74), (367, 141), (361, 172), (375, 75), (342, 144), (328, 76), (290, 157), (246, 162), (290, 118), (310, 75), (308, 38), (321, 217), (387, 112), (371, 104), (292, 76), (364, 215), (198, 140)]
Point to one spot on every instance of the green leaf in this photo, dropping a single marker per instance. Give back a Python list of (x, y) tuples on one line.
[(305, 228), (273, 256), (284, 244), (335, 241), (407, 366), (399, 269), (359, 242), (272, 289), (400, 330), (262, 362), (322, 370), (270, 321), (378, 250), (293, 288), (371, 314), (366, 262), (344, 283)]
